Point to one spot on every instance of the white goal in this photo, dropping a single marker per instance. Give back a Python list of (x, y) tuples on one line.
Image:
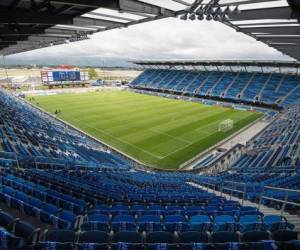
[(226, 125)]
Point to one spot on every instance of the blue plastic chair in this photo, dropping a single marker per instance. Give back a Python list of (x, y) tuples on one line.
[(149, 223), (200, 223)]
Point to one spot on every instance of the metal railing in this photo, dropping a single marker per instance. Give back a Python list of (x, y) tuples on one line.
[(284, 202), (232, 189)]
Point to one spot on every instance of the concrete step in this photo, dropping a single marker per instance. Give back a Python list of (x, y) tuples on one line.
[(291, 218)]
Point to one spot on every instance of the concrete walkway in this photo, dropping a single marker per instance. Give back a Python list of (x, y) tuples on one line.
[(291, 218)]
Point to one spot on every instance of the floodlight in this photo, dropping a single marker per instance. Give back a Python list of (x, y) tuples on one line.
[(209, 17), (184, 17), (200, 11), (227, 10), (236, 10), (218, 11), (192, 16), (200, 17), (217, 18)]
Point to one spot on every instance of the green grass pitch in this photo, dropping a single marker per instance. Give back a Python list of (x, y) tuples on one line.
[(157, 131)]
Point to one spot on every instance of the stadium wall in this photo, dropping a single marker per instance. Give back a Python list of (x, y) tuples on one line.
[(261, 105)]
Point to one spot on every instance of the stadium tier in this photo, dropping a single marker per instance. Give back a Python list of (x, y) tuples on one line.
[(143, 210), (272, 89), (272, 159), (29, 135)]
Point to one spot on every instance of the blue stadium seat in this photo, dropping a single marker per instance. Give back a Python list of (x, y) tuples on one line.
[(201, 223), (194, 210), (149, 223), (57, 240), (286, 239), (160, 240), (276, 222), (225, 223), (122, 223), (259, 240), (176, 223), (46, 212), (26, 232), (6, 220), (64, 220), (127, 240), (31, 206), (93, 240), (255, 236), (193, 237), (95, 222), (250, 223), (227, 240)]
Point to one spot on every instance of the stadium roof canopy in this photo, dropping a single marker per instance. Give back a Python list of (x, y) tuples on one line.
[(31, 24), (227, 65)]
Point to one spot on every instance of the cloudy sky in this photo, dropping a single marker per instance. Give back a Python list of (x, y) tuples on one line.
[(164, 39)]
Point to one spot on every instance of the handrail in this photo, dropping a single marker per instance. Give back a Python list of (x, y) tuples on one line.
[(284, 201), (262, 195), (283, 189)]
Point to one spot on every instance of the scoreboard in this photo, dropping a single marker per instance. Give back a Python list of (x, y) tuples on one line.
[(63, 76)]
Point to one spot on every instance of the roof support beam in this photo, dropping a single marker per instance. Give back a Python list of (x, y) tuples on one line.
[(283, 30), (237, 3), (142, 7), (280, 40), (265, 13), (122, 5), (86, 21), (23, 16), (112, 4)]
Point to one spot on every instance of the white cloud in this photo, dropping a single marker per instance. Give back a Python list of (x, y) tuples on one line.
[(163, 39)]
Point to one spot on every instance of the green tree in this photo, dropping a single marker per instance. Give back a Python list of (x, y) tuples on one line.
[(92, 74)]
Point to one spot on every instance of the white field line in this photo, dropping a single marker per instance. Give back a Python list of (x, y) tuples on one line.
[(166, 134), (207, 134), (203, 115), (142, 121), (195, 141), (184, 147), (117, 139)]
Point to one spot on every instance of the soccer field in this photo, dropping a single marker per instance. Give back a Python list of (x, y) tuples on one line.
[(157, 131)]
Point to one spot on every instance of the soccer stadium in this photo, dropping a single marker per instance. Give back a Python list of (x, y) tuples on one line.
[(189, 154)]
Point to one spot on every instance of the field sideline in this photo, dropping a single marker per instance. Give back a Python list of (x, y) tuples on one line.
[(160, 132)]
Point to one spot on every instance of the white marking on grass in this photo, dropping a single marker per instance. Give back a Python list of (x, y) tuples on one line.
[(166, 134), (203, 138), (189, 144), (115, 138)]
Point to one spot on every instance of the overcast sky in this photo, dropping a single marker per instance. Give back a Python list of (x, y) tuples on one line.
[(164, 39)]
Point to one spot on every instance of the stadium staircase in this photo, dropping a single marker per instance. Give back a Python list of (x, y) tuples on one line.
[(230, 85), (290, 93), (264, 87), (280, 83), (209, 91), (241, 94), (291, 218)]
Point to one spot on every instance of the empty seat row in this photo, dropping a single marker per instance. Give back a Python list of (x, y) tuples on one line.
[(16, 234), (96, 240), (212, 209), (171, 223)]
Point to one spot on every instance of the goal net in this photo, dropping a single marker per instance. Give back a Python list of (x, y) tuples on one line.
[(226, 125)]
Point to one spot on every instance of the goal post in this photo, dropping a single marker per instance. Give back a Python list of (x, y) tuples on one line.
[(226, 125)]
